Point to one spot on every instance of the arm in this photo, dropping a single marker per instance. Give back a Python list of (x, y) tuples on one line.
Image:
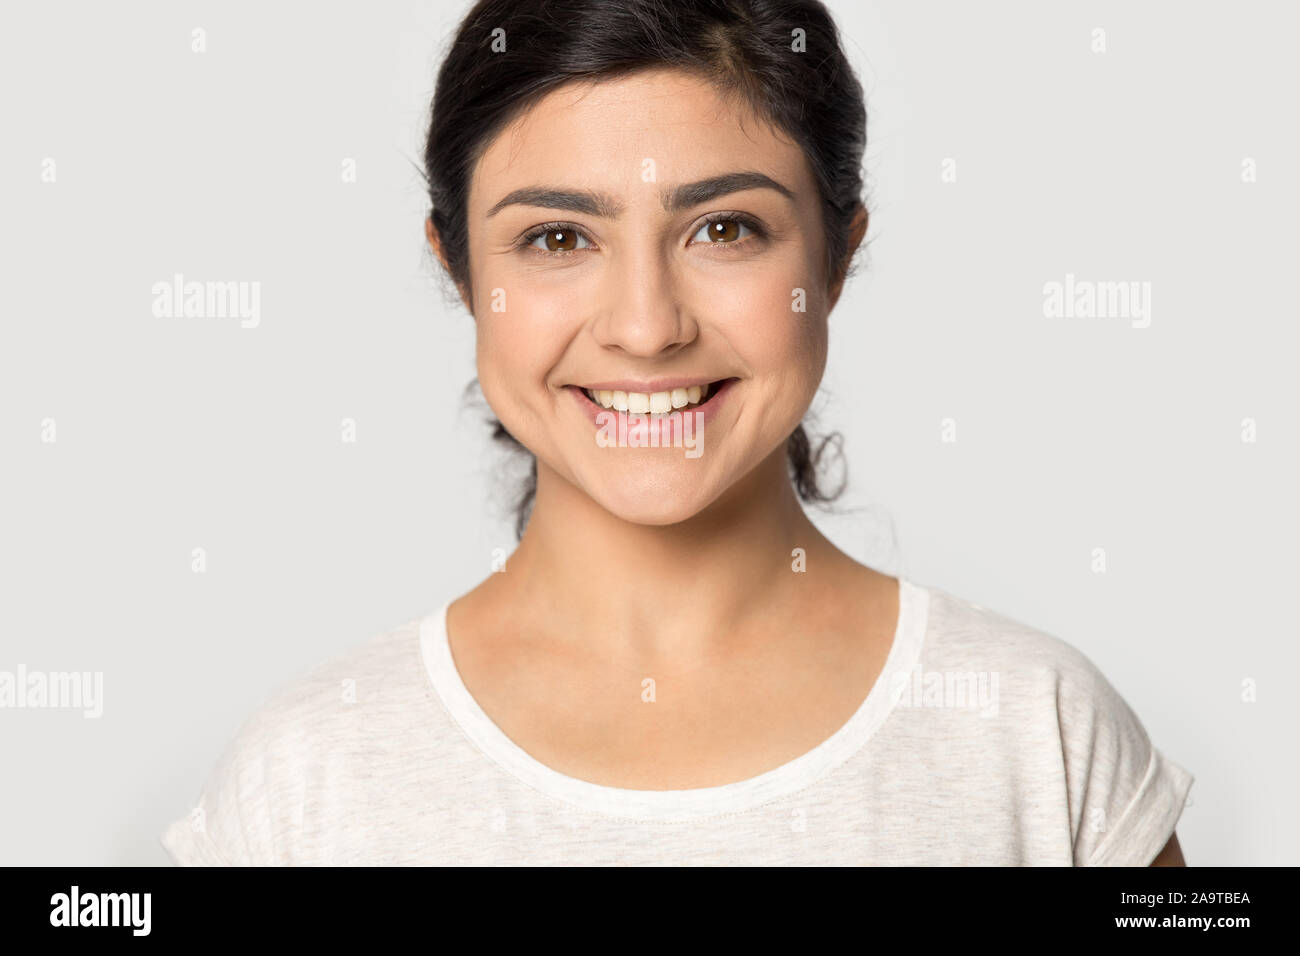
[(1171, 855)]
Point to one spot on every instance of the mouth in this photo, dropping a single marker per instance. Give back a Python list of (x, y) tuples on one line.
[(663, 399)]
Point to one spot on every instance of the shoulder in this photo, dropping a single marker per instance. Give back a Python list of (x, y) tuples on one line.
[(1031, 664), (327, 701), (1056, 713), (1038, 673), (318, 726), (960, 630)]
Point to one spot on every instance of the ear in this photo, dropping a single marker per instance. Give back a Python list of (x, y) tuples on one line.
[(857, 230), (435, 243)]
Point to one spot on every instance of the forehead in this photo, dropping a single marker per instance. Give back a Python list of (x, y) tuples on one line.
[(610, 132)]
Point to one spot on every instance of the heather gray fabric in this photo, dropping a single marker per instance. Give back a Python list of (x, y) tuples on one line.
[(984, 741)]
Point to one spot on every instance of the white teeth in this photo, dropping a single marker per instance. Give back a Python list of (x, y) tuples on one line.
[(655, 403)]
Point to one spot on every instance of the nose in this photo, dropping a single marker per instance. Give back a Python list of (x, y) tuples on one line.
[(643, 314)]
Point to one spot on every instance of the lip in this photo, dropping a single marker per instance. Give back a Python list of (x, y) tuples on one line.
[(718, 398), (648, 387)]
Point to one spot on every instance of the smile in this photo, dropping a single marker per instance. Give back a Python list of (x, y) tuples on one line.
[(660, 400)]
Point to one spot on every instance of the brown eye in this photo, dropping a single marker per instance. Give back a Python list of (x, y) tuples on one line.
[(561, 241), (557, 240), (727, 230), (724, 231)]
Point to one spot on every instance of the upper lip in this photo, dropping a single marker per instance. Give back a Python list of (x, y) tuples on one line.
[(650, 386)]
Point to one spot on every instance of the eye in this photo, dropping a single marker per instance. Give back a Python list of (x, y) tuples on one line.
[(556, 237), (727, 229), (720, 229)]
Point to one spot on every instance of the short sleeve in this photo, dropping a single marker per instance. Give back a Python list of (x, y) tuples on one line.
[(1125, 796), (230, 824)]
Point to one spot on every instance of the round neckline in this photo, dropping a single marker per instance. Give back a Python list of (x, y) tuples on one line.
[(689, 804)]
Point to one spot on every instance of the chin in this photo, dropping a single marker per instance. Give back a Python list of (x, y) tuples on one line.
[(674, 499)]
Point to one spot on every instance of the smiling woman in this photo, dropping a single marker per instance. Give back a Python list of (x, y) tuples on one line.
[(649, 279), (649, 210)]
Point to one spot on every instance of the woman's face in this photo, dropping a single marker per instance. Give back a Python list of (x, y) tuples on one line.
[(595, 266)]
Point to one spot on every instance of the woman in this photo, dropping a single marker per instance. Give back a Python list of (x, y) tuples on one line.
[(649, 210)]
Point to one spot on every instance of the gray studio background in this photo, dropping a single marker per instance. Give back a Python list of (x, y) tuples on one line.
[(1170, 159)]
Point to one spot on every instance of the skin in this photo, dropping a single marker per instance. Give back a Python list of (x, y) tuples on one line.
[(753, 664), (1171, 855)]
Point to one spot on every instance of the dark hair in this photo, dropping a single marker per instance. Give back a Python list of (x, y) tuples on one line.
[(747, 48)]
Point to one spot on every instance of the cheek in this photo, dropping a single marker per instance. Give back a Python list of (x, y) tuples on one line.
[(521, 333), (776, 322), (506, 357)]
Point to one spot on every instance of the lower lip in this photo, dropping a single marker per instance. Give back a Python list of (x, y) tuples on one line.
[(702, 413)]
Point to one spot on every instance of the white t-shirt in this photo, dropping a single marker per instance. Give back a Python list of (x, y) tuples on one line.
[(984, 741)]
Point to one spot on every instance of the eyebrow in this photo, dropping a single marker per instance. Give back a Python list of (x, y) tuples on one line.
[(673, 200)]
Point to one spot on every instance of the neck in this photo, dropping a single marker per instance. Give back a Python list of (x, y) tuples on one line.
[(677, 588)]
